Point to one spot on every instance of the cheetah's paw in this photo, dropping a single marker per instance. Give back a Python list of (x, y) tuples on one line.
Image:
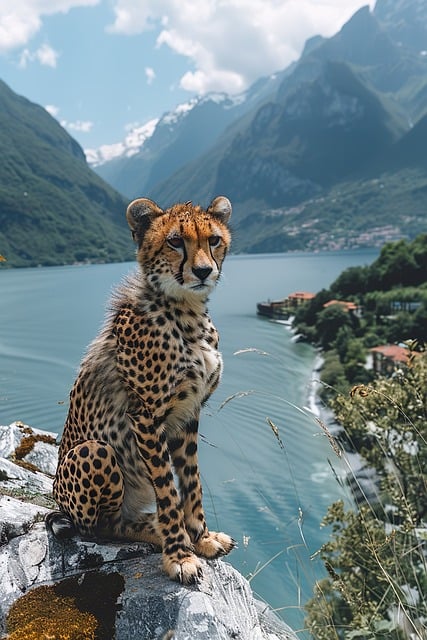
[(214, 545), (185, 568)]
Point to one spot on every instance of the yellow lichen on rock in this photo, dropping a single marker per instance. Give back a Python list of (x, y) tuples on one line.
[(27, 444), (41, 614)]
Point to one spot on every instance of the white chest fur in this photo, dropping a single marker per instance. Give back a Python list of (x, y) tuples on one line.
[(212, 361)]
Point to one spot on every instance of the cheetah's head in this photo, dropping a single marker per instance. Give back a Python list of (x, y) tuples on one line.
[(181, 249)]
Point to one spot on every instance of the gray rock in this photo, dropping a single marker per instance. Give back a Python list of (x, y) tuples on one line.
[(16, 516), (40, 459), (121, 584)]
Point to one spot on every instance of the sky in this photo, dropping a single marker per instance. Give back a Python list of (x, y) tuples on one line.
[(104, 67)]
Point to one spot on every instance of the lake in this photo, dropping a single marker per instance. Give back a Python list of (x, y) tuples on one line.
[(264, 459)]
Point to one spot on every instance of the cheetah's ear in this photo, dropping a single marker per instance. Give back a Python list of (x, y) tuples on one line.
[(139, 215), (220, 207)]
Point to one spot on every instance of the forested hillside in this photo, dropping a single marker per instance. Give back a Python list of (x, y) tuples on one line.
[(53, 208)]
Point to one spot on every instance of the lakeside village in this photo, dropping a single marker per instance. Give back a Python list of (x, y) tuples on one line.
[(370, 327), (383, 359)]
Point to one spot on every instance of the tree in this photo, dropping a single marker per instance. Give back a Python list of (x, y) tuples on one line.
[(342, 339), (399, 264), (350, 282), (419, 326), (307, 312), (332, 376), (329, 322)]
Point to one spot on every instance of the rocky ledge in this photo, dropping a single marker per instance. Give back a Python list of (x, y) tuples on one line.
[(85, 590)]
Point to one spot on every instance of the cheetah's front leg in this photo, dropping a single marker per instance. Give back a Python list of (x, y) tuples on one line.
[(179, 561), (183, 450)]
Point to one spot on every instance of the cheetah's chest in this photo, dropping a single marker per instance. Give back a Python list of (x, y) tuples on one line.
[(196, 375)]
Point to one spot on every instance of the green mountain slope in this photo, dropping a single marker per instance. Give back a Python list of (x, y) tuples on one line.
[(53, 208), (387, 202), (356, 214), (319, 134)]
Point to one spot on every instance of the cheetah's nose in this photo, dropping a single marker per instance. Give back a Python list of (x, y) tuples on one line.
[(202, 272)]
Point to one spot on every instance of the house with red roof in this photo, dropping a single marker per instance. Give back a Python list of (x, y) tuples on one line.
[(350, 307), (294, 300), (386, 358)]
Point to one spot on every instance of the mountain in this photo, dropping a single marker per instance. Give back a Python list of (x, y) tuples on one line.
[(53, 208), (365, 43), (391, 68), (385, 203), (182, 131), (323, 128), (297, 146), (190, 136), (130, 146), (405, 21), (324, 118), (310, 158), (179, 137), (410, 150)]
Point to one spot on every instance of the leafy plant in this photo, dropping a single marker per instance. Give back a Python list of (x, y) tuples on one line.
[(376, 557)]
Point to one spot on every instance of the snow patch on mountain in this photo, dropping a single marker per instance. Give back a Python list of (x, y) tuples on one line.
[(137, 136), (172, 117), (131, 145)]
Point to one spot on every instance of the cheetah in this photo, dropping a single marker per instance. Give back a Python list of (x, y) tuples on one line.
[(131, 435)]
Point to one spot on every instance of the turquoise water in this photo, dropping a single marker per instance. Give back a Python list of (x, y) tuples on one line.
[(268, 487)]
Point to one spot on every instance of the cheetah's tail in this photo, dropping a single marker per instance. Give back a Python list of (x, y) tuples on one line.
[(60, 524)]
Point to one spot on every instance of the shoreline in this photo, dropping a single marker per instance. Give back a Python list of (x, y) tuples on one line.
[(361, 480), (320, 411)]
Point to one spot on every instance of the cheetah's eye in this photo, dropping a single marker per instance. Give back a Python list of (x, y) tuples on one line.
[(214, 241), (176, 242)]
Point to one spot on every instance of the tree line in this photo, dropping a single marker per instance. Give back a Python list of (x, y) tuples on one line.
[(391, 300)]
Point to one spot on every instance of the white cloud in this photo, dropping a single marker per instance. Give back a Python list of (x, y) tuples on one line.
[(150, 74), (45, 55), (83, 126), (231, 44), (52, 109), (20, 20)]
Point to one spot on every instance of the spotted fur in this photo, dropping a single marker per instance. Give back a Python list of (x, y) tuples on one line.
[(135, 406)]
